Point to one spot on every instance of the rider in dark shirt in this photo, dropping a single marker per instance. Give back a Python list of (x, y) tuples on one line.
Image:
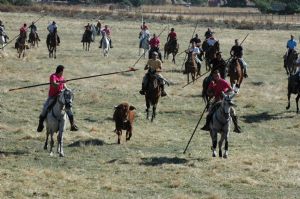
[(237, 51)]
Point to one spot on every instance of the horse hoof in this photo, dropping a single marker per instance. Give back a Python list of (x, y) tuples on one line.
[(61, 155), (214, 154), (51, 154), (225, 154), (287, 108), (220, 153), (45, 147)]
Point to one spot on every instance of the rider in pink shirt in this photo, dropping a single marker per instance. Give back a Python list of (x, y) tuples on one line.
[(57, 84), (107, 31)]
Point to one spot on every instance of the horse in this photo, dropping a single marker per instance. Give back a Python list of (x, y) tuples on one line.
[(190, 66), (205, 84), (56, 120), (290, 62), (221, 123), (105, 44), (144, 42), (171, 48), (52, 44), (21, 44), (236, 74), (87, 39), (210, 52), (33, 39), (153, 94), (293, 88)]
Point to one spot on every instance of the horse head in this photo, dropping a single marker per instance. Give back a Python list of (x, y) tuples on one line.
[(227, 103), (66, 98)]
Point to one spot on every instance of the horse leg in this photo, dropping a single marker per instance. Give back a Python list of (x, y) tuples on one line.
[(46, 142), (54, 52), (220, 144), (153, 112), (60, 149), (119, 133), (51, 143), (128, 134), (297, 100), (214, 137), (173, 60), (289, 97), (147, 109)]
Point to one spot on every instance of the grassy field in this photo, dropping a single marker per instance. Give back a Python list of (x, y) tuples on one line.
[(264, 160)]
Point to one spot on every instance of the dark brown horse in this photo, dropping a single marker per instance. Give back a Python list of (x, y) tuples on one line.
[(21, 44), (171, 47), (210, 52), (87, 39), (152, 95), (236, 74), (293, 88), (190, 66), (33, 39), (52, 44), (290, 62)]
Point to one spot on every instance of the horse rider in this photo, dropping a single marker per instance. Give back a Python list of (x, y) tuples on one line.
[(57, 84), (2, 32), (172, 39), (195, 53), (142, 35), (87, 29), (208, 33), (154, 45), (107, 31), (291, 46), (154, 66), (237, 51), (33, 29), (219, 64), (51, 28), (211, 41), (23, 31), (197, 40), (98, 26), (215, 89), (144, 26)]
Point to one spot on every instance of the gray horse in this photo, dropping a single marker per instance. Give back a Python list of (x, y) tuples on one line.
[(221, 123), (56, 120)]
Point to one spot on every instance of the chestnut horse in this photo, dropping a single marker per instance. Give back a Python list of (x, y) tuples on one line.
[(210, 52), (21, 44), (236, 74), (152, 94), (171, 47)]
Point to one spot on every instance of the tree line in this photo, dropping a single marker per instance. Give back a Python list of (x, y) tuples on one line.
[(265, 6)]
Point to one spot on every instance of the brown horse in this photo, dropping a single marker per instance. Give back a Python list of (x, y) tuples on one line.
[(290, 62), (293, 88), (153, 94), (87, 39), (236, 74), (33, 39), (210, 52), (52, 44), (21, 44), (171, 47), (190, 66)]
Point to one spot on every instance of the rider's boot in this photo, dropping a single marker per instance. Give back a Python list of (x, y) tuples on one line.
[(237, 128), (73, 125), (110, 43), (142, 91), (41, 124), (206, 126), (163, 92)]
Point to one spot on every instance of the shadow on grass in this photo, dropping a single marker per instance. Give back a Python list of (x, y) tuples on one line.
[(91, 142), (156, 161), (17, 153), (264, 116)]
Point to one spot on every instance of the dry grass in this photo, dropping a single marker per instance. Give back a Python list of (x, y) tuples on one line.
[(263, 160)]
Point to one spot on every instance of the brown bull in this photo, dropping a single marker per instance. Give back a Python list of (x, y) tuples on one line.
[(123, 117)]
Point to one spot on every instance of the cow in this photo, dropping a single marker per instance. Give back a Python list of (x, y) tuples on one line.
[(123, 117)]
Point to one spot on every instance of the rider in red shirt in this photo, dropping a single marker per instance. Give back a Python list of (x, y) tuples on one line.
[(108, 33), (215, 89), (57, 84), (154, 46), (23, 29), (172, 35)]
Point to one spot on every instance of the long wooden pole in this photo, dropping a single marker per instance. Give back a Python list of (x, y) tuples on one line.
[(78, 78)]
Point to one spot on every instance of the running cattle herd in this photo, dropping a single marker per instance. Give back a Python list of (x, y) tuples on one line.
[(217, 92)]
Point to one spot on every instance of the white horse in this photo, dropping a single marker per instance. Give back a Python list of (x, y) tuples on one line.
[(56, 120), (144, 42), (221, 123), (105, 44)]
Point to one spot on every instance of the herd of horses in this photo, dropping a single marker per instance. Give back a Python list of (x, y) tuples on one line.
[(56, 118)]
